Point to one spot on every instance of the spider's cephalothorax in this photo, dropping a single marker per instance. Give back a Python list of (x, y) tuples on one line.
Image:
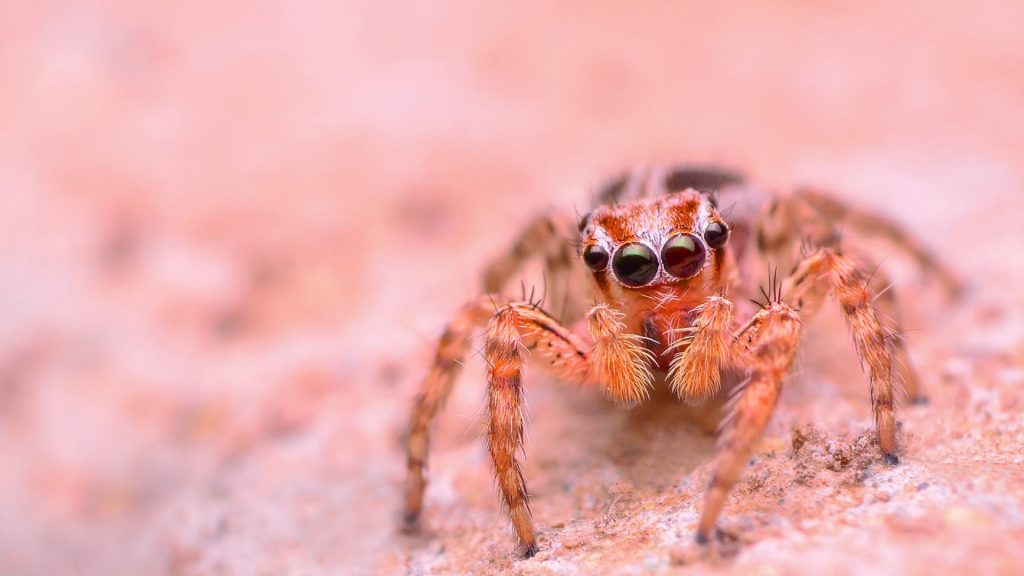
[(665, 265), (655, 260)]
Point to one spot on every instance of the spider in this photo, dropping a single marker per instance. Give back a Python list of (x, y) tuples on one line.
[(670, 273)]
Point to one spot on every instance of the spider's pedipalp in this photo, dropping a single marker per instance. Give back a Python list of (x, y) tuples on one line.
[(621, 359), (695, 372)]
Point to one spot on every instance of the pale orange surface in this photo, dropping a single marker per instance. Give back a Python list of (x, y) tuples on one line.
[(232, 230)]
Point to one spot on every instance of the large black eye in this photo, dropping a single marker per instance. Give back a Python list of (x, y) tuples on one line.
[(596, 257), (716, 234), (683, 255), (635, 264)]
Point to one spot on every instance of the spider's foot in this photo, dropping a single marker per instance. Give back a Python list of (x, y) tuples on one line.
[(718, 544), (528, 550), (890, 458), (410, 522), (719, 536), (919, 400)]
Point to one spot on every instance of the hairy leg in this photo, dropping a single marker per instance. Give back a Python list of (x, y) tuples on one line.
[(835, 210), (618, 361), (513, 328), (827, 270), (769, 343), (546, 236), (561, 349), (812, 217), (434, 390), (695, 373), (888, 308)]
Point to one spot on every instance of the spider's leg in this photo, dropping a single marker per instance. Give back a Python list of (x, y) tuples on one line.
[(868, 222), (546, 236), (827, 270), (434, 390), (533, 240), (619, 361), (513, 328), (881, 285), (769, 342), (695, 372)]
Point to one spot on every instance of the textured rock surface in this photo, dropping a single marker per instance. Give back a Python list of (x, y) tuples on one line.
[(230, 234)]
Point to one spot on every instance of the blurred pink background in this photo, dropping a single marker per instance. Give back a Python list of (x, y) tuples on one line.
[(230, 230)]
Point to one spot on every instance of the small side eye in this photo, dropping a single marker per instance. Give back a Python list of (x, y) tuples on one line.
[(716, 234), (596, 257)]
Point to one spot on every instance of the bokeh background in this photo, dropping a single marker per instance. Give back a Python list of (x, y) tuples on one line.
[(229, 232)]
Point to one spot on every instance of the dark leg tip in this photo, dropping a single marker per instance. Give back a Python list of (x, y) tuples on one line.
[(890, 459), (410, 522), (529, 550), (919, 400), (702, 539)]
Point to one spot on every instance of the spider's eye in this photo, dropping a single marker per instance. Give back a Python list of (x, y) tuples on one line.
[(596, 257), (683, 255), (716, 234), (635, 264)]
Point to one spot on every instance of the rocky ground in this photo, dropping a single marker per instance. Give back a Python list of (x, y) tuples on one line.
[(231, 234)]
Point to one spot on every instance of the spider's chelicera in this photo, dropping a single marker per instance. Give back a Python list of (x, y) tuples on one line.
[(666, 266)]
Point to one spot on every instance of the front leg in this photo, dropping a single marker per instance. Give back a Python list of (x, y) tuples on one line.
[(618, 360), (768, 344), (510, 328), (513, 328)]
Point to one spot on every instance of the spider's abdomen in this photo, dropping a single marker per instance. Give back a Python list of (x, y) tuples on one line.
[(639, 184)]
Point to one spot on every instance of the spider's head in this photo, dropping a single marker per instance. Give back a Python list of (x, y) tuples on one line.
[(676, 240)]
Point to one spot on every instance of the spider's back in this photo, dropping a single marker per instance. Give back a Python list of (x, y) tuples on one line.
[(638, 184)]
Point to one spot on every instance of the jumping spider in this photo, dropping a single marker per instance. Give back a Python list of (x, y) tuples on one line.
[(665, 264)]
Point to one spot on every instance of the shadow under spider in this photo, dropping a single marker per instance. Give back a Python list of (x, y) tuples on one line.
[(654, 445)]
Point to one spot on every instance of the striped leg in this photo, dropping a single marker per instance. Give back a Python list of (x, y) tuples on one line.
[(770, 341), (546, 236), (834, 210), (434, 390), (511, 329), (888, 309), (825, 271), (514, 328)]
